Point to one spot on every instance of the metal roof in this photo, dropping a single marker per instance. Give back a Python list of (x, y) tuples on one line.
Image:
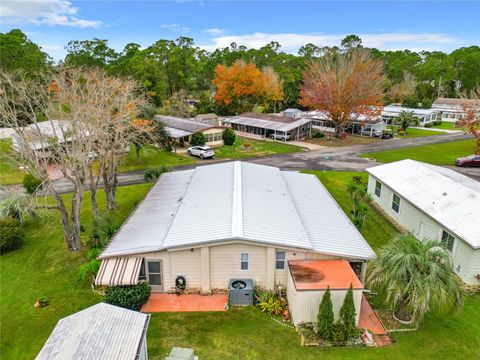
[(267, 124), (182, 124), (238, 201), (450, 198), (393, 110), (101, 332), (39, 133), (177, 133)]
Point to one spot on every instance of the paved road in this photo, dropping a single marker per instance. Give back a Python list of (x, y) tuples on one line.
[(340, 159)]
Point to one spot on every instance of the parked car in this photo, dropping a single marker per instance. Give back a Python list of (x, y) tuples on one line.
[(468, 161), (281, 136), (374, 133), (202, 151)]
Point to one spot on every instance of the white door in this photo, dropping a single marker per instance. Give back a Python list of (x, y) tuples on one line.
[(155, 274)]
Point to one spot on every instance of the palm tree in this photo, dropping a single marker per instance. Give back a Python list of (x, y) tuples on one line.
[(416, 277), (405, 119)]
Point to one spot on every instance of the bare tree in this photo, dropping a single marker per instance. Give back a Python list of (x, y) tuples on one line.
[(344, 86), (62, 140), (399, 92), (471, 106)]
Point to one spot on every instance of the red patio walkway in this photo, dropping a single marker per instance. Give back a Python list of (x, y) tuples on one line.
[(369, 320), (185, 303)]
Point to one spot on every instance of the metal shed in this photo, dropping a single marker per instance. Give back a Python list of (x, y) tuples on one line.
[(99, 332), (309, 279)]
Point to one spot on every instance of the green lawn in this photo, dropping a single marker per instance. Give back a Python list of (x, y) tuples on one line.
[(43, 268), (9, 174), (151, 157), (258, 148), (439, 154), (414, 133), (445, 125)]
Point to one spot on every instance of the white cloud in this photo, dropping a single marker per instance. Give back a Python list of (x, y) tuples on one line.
[(44, 12), (176, 28), (291, 42), (214, 31)]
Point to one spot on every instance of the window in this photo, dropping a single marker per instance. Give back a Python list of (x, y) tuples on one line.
[(448, 240), (244, 261), (378, 188), (280, 260), (396, 203)]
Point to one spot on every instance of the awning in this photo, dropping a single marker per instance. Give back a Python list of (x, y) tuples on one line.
[(119, 271)]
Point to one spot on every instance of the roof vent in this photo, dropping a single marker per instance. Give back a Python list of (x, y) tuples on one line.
[(444, 194)]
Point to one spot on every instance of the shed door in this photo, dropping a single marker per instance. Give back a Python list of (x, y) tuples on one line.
[(155, 275)]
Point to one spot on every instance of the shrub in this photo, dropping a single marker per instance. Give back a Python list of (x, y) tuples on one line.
[(129, 297), (18, 206), (325, 317), (31, 183), (91, 268), (268, 301), (11, 234), (197, 139), (347, 316), (429, 125), (103, 230), (229, 137), (154, 173), (317, 134)]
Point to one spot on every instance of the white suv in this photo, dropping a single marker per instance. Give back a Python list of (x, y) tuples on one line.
[(202, 151)]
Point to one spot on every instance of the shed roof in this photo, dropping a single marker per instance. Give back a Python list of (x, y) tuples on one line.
[(239, 201), (101, 332), (450, 198), (268, 121), (321, 274)]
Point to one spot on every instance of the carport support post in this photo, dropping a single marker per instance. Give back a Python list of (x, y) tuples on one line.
[(270, 283), (205, 269)]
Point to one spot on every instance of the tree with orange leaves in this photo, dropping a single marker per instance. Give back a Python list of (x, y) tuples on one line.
[(344, 86), (242, 86), (471, 106)]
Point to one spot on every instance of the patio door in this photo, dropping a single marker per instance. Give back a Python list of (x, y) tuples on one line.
[(155, 274)]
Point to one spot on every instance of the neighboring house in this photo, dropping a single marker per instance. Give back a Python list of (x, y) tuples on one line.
[(270, 125), (432, 202), (361, 124), (181, 130), (210, 118), (39, 135), (451, 109), (230, 220), (425, 116), (100, 332), (293, 113)]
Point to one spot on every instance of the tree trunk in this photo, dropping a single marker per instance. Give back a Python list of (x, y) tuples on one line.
[(77, 200), (109, 185), (137, 152), (338, 130), (93, 192), (64, 218)]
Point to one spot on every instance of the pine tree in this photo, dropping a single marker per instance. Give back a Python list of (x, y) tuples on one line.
[(347, 316), (325, 316)]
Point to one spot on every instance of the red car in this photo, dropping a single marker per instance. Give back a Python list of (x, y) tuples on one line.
[(468, 161)]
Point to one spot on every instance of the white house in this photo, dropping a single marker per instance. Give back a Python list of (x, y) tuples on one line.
[(230, 220), (100, 332), (425, 116), (433, 202), (451, 109)]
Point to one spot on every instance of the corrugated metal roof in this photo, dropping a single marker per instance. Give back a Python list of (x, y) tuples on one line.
[(238, 201), (450, 198), (182, 124), (328, 227), (101, 332), (395, 110), (177, 133), (267, 124)]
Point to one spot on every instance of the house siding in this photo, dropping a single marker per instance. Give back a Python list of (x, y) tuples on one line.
[(423, 227), (303, 305)]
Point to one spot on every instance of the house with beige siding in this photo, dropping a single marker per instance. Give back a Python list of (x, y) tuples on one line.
[(433, 202), (231, 220)]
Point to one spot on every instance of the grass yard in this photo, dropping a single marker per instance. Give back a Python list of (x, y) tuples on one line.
[(414, 133), (258, 148), (151, 157), (439, 154), (43, 268), (9, 174)]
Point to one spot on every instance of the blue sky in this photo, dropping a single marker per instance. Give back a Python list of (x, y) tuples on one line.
[(383, 24)]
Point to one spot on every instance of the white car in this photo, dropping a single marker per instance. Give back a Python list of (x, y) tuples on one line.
[(202, 151)]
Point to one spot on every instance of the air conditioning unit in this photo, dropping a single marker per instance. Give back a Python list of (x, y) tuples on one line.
[(240, 292)]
